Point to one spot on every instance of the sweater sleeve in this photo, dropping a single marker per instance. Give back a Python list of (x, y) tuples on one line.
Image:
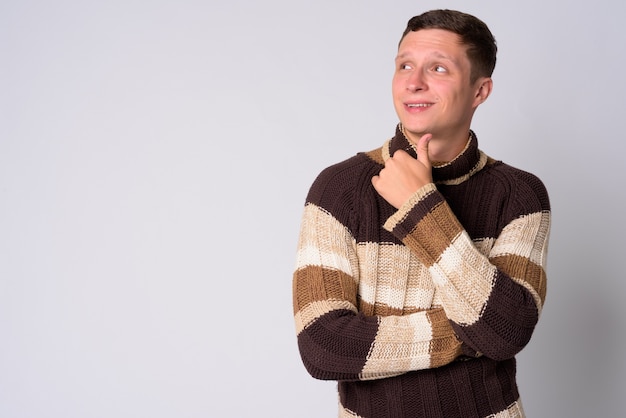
[(493, 300), (336, 341)]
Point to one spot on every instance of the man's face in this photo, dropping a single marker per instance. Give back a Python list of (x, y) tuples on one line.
[(431, 86)]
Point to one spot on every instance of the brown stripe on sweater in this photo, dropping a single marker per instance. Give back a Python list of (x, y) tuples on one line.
[(418, 206), (521, 267), (315, 283), (382, 309), (376, 156), (444, 346), (433, 234)]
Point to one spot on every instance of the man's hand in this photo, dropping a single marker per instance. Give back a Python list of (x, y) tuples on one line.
[(403, 175)]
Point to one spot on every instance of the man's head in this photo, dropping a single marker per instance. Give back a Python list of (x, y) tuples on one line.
[(473, 32), (442, 74)]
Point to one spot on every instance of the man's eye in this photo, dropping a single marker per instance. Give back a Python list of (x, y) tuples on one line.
[(405, 67), (439, 69)]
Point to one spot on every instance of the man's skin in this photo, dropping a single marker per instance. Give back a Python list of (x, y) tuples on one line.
[(435, 99)]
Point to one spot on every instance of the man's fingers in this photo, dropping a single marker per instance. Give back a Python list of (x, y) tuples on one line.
[(422, 150)]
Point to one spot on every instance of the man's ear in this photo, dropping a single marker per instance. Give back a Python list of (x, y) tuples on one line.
[(484, 85)]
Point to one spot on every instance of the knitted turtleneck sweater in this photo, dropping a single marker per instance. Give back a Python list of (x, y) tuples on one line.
[(419, 312)]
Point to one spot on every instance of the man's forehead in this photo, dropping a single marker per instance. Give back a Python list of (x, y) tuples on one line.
[(433, 43), (409, 52)]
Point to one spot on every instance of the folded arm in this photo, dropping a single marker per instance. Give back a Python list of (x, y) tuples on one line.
[(492, 300)]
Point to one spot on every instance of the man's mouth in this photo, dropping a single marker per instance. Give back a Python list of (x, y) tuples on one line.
[(414, 105)]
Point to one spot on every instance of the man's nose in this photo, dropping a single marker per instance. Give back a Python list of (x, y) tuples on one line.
[(416, 81)]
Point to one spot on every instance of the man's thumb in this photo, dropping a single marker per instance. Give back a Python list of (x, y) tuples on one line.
[(422, 150)]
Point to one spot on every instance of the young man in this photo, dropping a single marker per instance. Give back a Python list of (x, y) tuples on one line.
[(421, 264)]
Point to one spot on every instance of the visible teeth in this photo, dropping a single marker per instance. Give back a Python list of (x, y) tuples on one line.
[(418, 105)]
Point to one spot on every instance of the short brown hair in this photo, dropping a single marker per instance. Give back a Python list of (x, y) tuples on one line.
[(473, 32)]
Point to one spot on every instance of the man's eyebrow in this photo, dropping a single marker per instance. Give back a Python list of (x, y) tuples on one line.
[(442, 56), (403, 55), (434, 54), (400, 56)]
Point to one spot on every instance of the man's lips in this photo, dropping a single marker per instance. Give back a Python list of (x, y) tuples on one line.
[(417, 105)]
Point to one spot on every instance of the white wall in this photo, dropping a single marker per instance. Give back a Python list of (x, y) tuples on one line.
[(155, 156)]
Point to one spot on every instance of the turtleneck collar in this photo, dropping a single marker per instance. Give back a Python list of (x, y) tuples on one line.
[(468, 162)]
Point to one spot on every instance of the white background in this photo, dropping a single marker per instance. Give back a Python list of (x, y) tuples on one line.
[(155, 157)]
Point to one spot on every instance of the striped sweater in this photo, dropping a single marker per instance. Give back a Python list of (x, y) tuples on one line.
[(420, 311)]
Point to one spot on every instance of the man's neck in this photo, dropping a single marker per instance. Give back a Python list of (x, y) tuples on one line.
[(441, 150)]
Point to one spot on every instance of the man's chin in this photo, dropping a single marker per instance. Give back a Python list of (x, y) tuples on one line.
[(414, 133)]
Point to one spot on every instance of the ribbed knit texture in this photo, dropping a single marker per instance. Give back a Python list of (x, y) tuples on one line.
[(419, 312)]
